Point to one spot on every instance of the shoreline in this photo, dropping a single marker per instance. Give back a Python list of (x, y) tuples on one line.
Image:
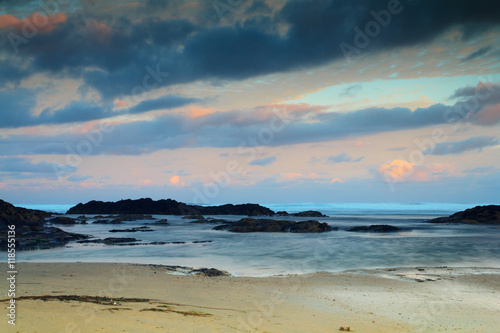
[(380, 300)]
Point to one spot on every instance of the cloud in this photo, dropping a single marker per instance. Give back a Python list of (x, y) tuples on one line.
[(164, 102), (396, 149), (343, 157), (351, 90), (481, 89), (263, 161), (21, 168), (17, 106), (301, 34), (478, 53), (459, 147), (399, 171), (77, 178)]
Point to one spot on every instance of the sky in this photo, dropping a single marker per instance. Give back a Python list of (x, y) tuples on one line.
[(234, 101)]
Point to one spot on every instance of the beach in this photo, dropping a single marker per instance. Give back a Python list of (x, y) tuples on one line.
[(158, 299)]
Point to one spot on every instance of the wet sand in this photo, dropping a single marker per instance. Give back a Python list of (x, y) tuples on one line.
[(383, 300)]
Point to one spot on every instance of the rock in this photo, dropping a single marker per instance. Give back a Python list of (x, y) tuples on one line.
[(268, 225), (211, 272), (210, 221), (193, 217), (137, 229), (377, 228), (477, 215), (166, 207), (101, 222), (308, 213), (30, 228), (110, 240), (63, 220), (282, 213)]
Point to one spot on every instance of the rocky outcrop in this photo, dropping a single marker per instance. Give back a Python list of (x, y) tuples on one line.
[(377, 228), (31, 229), (63, 220), (211, 272), (166, 207), (477, 215), (307, 213), (136, 229), (110, 240), (268, 225)]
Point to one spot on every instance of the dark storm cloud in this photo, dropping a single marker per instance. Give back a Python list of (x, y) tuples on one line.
[(119, 49), (459, 147)]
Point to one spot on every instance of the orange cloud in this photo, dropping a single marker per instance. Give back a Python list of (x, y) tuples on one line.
[(100, 31), (337, 180), (399, 171), (144, 182), (176, 180), (296, 176), (42, 24), (8, 20), (195, 112), (118, 104)]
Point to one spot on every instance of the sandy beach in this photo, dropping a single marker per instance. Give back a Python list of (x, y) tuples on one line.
[(137, 298)]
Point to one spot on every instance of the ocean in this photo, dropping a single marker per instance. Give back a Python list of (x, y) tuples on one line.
[(264, 254)]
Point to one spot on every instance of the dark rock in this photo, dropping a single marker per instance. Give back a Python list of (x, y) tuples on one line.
[(282, 213), (31, 230), (101, 222), (199, 242), (267, 225), (211, 272), (210, 221), (110, 240), (308, 213), (166, 207), (82, 217), (377, 228), (194, 217), (137, 229), (63, 220), (477, 215)]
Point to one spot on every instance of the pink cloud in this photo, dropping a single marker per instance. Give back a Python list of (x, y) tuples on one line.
[(337, 180), (489, 115)]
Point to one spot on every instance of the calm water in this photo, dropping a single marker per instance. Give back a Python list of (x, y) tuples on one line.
[(260, 254)]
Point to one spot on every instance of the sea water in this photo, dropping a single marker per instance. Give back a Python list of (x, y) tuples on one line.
[(263, 254)]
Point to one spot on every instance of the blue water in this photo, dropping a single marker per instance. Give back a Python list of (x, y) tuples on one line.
[(261, 254)]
